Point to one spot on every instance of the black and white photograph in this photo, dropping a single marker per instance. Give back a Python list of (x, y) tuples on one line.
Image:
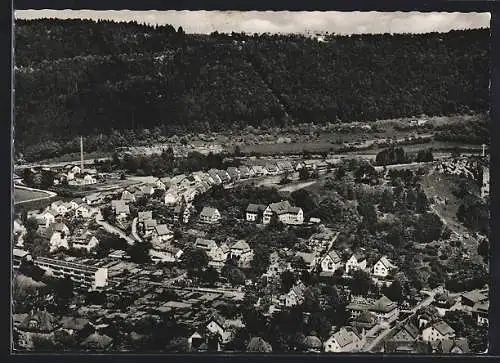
[(250, 182)]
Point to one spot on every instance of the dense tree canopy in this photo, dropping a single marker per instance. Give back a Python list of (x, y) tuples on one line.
[(105, 80)]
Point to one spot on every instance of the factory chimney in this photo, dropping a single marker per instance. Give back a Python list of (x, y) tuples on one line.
[(81, 153)]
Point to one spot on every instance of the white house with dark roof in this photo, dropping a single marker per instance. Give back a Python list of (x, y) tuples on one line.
[(46, 218), (383, 267), (128, 196), (122, 211), (254, 212), (296, 295), (234, 173), (210, 215), (438, 331), (331, 262), (285, 212), (162, 232), (347, 339), (356, 262), (85, 242), (93, 199)]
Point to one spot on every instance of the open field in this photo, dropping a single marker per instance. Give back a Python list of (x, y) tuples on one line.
[(22, 195)]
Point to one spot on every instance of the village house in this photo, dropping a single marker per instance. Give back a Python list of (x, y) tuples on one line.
[(285, 213), (385, 309), (259, 170), (309, 259), (46, 218), (215, 176), (451, 346), (271, 168), (143, 216), (19, 231), (93, 199), (243, 253), (285, 165), (438, 331), (97, 341), (356, 262), (205, 244), (58, 234), (407, 333), (296, 295), (148, 189), (347, 339), (471, 298), (162, 183), (383, 267), (88, 180), (182, 213), (162, 233), (234, 173), (87, 242), (150, 225), (84, 211), (171, 197), (60, 207), (122, 211), (218, 325), (331, 262), (244, 172), (255, 212), (164, 253), (37, 324), (210, 215), (127, 196), (218, 255), (480, 311)]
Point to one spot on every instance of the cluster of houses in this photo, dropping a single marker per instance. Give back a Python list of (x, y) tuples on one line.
[(75, 175), (283, 211), (239, 251)]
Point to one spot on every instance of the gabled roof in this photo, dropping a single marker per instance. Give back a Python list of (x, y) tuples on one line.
[(298, 289), (448, 345), (384, 305), (142, 216), (360, 256), (280, 207), (255, 208), (122, 208), (385, 261), (240, 245), (411, 329), (345, 336), (475, 296), (162, 230), (150, 223), (209, 211), (416, 346), (205, 243), (334, 256), (126, 195), (443, 328)]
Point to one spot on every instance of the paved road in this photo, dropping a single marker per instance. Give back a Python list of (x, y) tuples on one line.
[(427, 301)]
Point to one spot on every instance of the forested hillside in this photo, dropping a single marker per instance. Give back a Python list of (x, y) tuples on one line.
[(99, 79)]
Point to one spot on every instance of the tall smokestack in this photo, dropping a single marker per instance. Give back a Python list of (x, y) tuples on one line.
[(484, 150), (81, 153)]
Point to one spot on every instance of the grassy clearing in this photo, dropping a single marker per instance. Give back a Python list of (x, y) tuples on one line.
[(23, 195)]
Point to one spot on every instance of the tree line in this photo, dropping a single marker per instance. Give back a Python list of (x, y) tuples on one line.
[(77, 77)]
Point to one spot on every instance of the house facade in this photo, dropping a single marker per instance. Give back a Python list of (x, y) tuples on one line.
[(331, 262), (438, 331), (285, 213), (356, 262), (210, 215)]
